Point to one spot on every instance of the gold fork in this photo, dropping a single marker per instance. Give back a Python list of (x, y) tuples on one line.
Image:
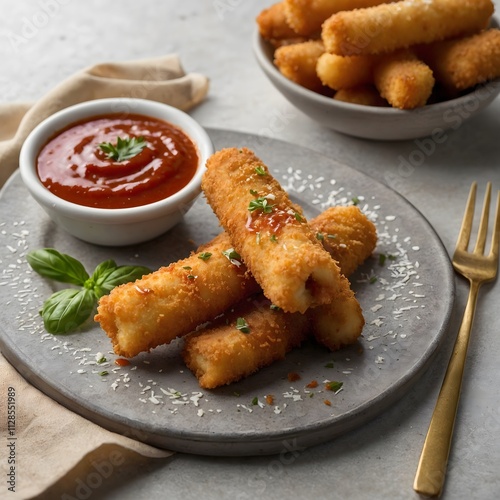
[(478, 269)]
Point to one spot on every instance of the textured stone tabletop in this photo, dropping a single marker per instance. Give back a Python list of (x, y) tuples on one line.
[(44, 41)]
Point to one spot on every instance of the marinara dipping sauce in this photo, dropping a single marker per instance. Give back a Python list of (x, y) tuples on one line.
[(73, 166)]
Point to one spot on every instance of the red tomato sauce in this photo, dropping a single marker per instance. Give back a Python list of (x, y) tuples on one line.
[(73, 166), (273, 222)]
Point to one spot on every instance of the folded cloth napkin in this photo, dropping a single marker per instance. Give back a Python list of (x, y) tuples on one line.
[(53, 449)]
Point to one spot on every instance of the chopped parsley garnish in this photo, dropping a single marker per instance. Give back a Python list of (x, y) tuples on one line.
[(125, 149), (299, 217), (187, 267), (101, 360), (274, 307), (204, 255), (233, 256), (242, 325), (329, 365), (255, 401), (274, 238), (191, 277), (355, 200), (253, 192), (260, 170), (321, 236), (103, 373), (334, 386), (261, 204), (373, 279), (383, 257)]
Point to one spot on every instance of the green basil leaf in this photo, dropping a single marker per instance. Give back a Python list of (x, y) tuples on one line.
[(103, 270), (118, 276), (67, 309), (49, 263)]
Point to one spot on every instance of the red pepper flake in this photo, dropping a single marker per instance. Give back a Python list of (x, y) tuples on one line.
[(327, 402), (269, 399), (293, 377), (312, 385), (122, 362)]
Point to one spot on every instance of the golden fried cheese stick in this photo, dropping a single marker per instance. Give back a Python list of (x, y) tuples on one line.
[(339, 323), (366, 95), (221, 353), (273, 25), (402, 79), (387, 27), (347, 234), (462, 63), (225, 351), (174, 300), (298, 62), (269, 232), (307, 16), (345, 72)]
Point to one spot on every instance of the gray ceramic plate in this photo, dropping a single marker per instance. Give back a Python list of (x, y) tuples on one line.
[(406, 302)]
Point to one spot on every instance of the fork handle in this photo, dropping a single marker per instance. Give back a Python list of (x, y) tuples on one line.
[(431, 471)]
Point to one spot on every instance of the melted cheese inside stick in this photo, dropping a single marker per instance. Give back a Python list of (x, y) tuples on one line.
[(269, 232)]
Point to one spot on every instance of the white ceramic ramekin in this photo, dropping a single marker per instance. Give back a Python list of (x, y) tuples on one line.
[(121, 226)]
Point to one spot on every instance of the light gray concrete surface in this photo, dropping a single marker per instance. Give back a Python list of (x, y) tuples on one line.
[(44, 41)]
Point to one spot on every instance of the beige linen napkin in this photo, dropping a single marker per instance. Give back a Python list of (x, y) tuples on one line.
[(56, 451)]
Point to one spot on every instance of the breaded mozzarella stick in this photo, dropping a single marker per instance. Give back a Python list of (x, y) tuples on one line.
[(226, 351), (403, 80), (307, 16), (298, 63), (269, 232), (174, 300), (273, 25), (465, 62), (222, 353), (366, 95), (337, 324), (388, 27), (347, 234), (345, 72)]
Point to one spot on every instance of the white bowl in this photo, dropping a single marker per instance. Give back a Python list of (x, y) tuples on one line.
[(370, 122), (119, 226)]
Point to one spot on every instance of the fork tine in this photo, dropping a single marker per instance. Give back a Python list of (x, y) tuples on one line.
[(496, 232), (465, 229), (483, 224)]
